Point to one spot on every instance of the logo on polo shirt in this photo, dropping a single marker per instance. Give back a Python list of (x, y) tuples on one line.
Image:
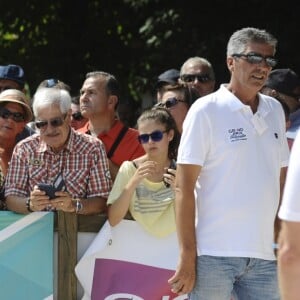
[(237, 134)]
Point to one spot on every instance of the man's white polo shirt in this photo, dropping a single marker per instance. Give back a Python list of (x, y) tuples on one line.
[(241, 155)]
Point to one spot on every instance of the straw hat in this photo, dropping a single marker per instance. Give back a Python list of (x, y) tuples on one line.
[(16, 96)]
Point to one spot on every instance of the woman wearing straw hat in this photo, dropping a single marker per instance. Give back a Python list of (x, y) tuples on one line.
[(15, 112)]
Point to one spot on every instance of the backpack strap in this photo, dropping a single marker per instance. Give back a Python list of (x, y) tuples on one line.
[(117, 142)]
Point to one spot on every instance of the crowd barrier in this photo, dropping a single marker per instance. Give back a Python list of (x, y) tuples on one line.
[(67, 227), (39, 253)]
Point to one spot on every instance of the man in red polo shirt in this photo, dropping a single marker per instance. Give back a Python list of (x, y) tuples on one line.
[(99, 97)]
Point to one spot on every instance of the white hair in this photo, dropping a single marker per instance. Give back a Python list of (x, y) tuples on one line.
[(48, 96)]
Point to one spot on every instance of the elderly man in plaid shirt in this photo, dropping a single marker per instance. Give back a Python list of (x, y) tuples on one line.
[(73, 165)]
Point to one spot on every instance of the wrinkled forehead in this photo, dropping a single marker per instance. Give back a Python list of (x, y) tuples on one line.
[(94, 83), (48, 111), (193, 68), (170, 94)]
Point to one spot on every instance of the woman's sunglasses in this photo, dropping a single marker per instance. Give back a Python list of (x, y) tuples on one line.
[(77, 116), (155, 136), (55, 122), (170, 102), (16, 116)]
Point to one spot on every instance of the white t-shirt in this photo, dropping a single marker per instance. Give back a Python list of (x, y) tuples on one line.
[(241, 154), (290, 207)]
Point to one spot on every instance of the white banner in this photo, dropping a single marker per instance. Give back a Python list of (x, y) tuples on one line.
[(125, 262)]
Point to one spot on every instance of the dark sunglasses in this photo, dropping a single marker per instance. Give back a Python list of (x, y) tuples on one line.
[(155, 136), (51, 82), (170, 102), (255, 58), (55, 122), (77, 116), (16, 116), (192, 77)]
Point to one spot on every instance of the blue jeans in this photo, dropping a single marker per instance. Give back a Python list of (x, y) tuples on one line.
[(248, 278)]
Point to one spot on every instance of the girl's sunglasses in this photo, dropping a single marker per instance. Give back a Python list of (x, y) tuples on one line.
[(155, 136)]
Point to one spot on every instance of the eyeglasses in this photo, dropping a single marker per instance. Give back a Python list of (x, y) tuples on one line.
[(170, 102), (255, 58), (192, 77), (55, 122), (52, 82), (77, 116), (16, 116), (155, 136)]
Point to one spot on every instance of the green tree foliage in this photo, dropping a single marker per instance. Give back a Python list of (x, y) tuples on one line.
[(134, 39)]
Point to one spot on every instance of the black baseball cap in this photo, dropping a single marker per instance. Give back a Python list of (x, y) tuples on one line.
[(284, 81)]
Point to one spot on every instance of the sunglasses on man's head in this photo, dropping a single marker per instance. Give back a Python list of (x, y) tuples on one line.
[(255, 58), (155, 136), (77, 116), (55, 122), (170, 102), (16, 116), (192, 77), (51, 82)]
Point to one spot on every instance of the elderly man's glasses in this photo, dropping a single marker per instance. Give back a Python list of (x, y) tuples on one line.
[(55, 122), (16, 116), (155, 136), (170, 102), (192, 77), (255, 58), (77, 116)]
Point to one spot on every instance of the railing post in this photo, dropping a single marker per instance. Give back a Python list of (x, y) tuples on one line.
[(67, 255)]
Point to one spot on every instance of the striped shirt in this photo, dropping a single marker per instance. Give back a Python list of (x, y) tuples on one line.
[(83, 165)]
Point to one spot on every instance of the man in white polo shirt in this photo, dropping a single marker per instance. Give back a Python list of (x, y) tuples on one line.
[(232, 155)]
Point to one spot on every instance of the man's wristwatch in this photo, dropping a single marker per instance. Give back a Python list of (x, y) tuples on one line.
[(78, 205), (28, 204)]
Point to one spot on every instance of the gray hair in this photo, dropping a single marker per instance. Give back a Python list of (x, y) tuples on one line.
[(45, 97), (197, 60), (240, 39)]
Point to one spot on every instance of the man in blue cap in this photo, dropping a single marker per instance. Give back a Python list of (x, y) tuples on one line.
[(169, 77), (12, 77)]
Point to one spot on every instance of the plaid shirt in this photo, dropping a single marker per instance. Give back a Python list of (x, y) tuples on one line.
[(83, 165)]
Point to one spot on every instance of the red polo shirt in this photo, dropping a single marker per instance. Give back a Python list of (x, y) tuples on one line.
[(129, 147)]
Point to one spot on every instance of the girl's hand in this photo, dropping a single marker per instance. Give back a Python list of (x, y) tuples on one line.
[(144, 169)]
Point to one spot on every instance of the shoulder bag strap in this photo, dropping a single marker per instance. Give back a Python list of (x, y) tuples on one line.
[(117, 142)]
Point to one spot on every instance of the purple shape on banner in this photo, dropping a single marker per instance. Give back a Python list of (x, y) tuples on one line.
[(115, 277)]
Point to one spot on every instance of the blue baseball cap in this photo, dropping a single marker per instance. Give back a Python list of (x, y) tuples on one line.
[(14, 73), (168, 77)]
